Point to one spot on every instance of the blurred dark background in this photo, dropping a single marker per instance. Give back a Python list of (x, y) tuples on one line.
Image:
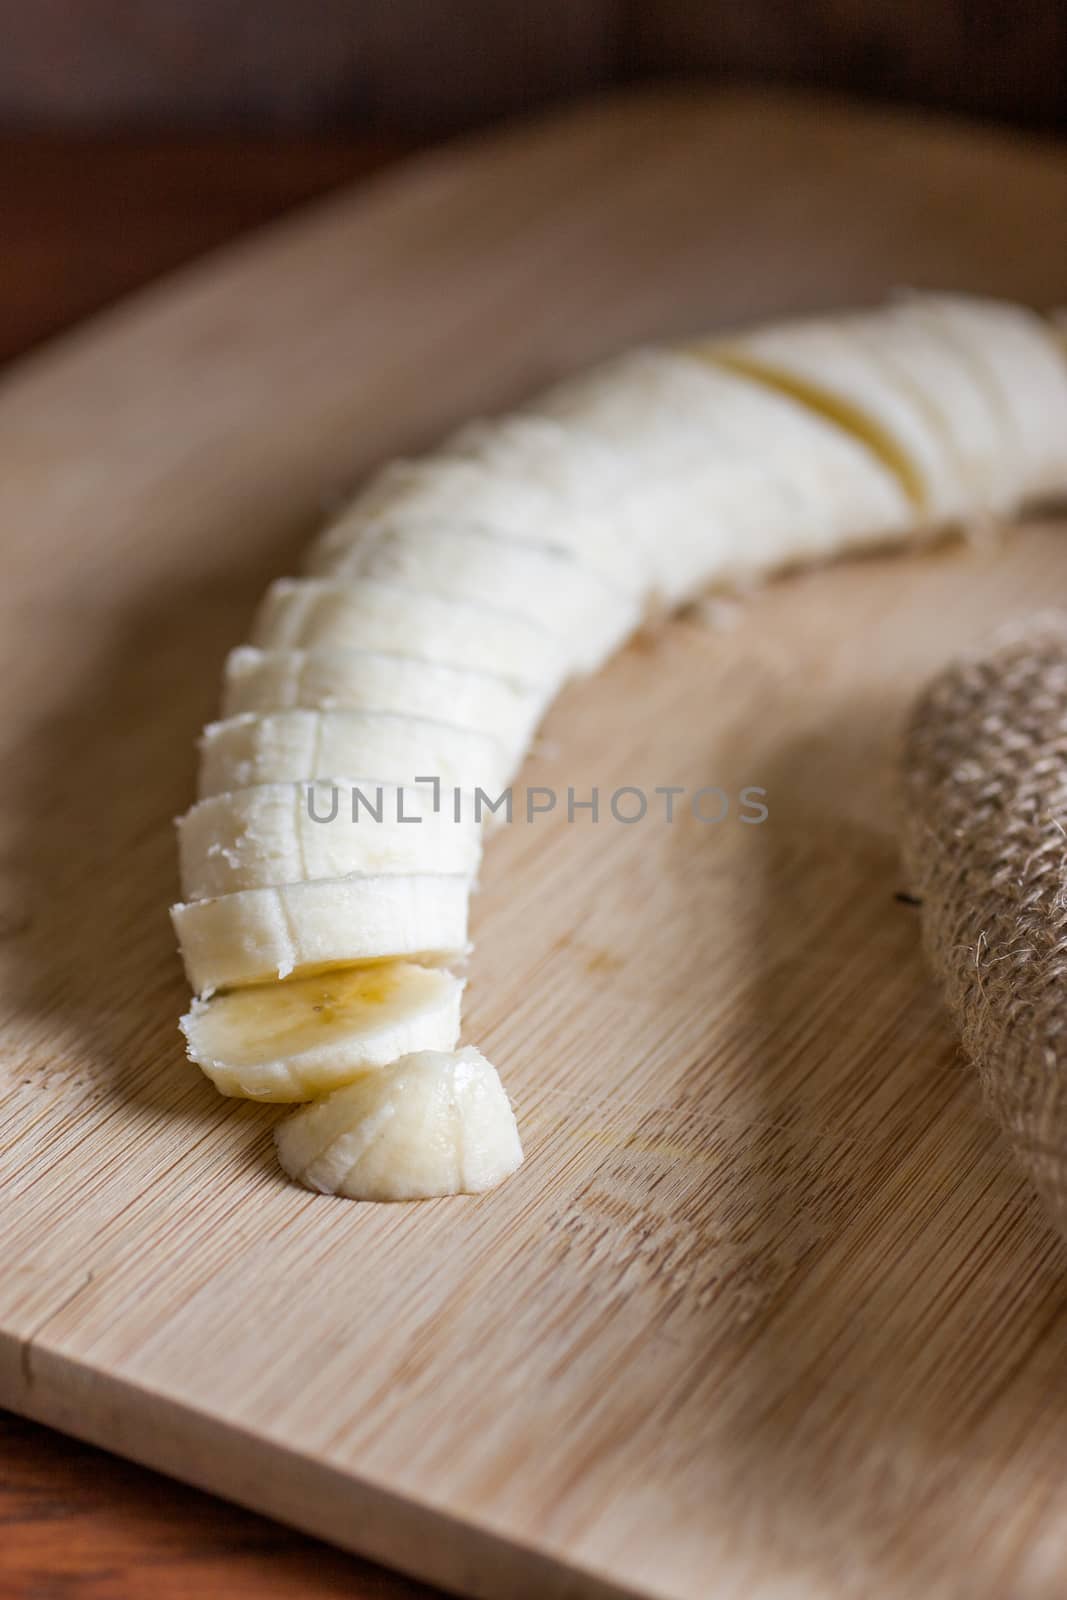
[(137, 134), (431, 66)]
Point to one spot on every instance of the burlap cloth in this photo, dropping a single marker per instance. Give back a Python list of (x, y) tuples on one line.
[(985, 847)]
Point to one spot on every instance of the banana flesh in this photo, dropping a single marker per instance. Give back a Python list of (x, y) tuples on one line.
[(446, 606), (258, 681), (545, 586), (324, 613), (430, 1124), (303, 1037), (291, 833), (289, 746), (255, 935)]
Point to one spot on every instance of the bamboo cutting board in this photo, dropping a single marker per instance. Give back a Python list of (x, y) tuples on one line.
[(767, 1310)]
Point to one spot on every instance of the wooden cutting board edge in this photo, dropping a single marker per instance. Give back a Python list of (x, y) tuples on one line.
[(425, 1542)]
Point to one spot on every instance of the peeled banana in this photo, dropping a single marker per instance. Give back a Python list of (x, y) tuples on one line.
[(544, 585), (254, 935), (305, 1036), (500, 478), (444, 608), (294, 833), (323, 613), (288, 746), (376, 681), (429, 1124)]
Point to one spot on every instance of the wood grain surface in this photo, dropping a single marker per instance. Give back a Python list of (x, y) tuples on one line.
[(85, 221), (767, 1304)]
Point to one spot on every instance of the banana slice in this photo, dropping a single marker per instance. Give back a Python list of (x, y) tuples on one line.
[(442, 488), (430, 1124), (835, 367), (733, 478), (944, 379), (573, 466), (1027, 367), (259, 934), (320, 613), (720, 516), (716, 528), (371, 680), (742, 520), (280, 833), (285, 746), (546, 586), (463, 491), (674, 411), (303, 1037), (656, 410), (682, 469)]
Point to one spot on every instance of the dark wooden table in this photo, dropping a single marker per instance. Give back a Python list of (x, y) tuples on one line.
[(83, 223)]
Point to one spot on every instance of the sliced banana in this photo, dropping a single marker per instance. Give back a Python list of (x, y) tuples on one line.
[(283, 746), (305, 1036), (442, 488), (836, 367), (531, 447), (546, 586), (741, 521), (321, 613), (430, 1124), (1023, 360), (680, 453), (463, 491), (713, 499), (451, 600), (259, 934), (927, 362), (374, 680), (653, 409), (280, 833)]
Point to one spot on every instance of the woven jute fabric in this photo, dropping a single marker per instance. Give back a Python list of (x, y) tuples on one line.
[(985, 848)]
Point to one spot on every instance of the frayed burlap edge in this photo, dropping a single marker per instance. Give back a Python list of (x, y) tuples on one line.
[(984, 837)]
